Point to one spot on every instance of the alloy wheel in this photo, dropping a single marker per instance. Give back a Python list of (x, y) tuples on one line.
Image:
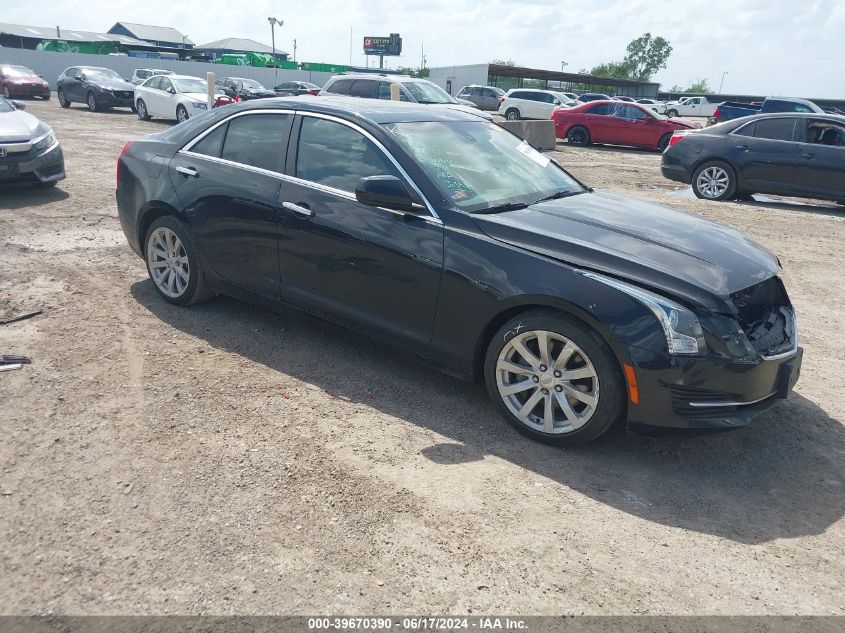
[(713, 182), (141, 107), (92, 102), (547, 382), (168, 262), (181, 114), (512, 115)]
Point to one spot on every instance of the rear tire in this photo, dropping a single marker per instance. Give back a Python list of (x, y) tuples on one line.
[(578, 136), (568, 390), (512, 114), (63, 100), (714, 180), (663, 143), (173, 263), (141, 109)]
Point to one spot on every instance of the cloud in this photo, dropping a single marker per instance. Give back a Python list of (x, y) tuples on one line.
[(766, 46)]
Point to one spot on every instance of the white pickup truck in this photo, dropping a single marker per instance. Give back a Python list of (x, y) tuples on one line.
[(691, 106)]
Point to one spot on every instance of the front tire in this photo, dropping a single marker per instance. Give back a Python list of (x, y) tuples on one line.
[(714, 180), (91, 100), (181, 114), (671, 113), (578, 136), (63, 100), (553, 379), (173, 263), (512, 114), (141, 109)]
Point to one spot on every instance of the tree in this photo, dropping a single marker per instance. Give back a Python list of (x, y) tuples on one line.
[(620, 70), (646, 55), (413, 72), (700, 86)]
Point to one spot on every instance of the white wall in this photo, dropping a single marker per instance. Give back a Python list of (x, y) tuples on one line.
[(460, 76), (51, 65)]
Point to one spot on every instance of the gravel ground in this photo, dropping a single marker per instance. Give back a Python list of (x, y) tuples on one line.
[(224, 459)]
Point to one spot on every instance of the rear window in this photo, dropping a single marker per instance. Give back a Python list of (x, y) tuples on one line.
[(775, 129), (365, 88), (258, 140)]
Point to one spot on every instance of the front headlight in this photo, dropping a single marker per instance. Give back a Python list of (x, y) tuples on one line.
[(200, 105), (680, 326), (44, 142)]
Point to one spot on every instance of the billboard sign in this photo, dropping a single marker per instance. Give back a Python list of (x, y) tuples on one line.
[(383, 45)]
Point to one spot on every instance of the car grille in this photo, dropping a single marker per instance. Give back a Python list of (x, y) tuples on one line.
[(683, 396), (123, 94), (767, 317)]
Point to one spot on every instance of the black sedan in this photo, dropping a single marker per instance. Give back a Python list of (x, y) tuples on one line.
[(243, 89), (793, 154), (446, 235), (98, 88), (296, 88)]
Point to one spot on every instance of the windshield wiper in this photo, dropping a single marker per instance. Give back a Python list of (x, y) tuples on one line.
[(558, 195), (501, 208)]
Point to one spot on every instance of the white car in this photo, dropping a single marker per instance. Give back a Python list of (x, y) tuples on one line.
[(690, 106), (658, 107), (176, 97), (527, 103), (142, 74)]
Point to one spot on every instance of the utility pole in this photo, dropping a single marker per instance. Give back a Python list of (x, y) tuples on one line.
[(294, 49), (722, 83)]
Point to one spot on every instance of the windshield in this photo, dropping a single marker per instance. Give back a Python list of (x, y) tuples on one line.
[(18, 71), (425, 92), (249, 83), (101, 74), (479, 165), (190, 85), (5, 106)]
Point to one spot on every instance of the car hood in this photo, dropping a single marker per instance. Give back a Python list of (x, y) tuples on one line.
[(17, 127), (462, 108), (669, 250), (114, 85), (197, 96), (684, 123), (261, 93), (34, 79)]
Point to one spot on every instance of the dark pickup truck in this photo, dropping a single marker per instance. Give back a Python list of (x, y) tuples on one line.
[(730, 110)]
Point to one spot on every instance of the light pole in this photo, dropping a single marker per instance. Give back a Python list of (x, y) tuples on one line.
[(273, 22), (722, 83)]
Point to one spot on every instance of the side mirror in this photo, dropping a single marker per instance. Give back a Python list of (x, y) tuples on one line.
[(79, 76), (557, 102), (171, 90), (384, 191), (17, 105)]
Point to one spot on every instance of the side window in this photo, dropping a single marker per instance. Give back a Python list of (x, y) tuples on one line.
[(70, 72), (384, 90), (366, 88), (165, 83), (775, 129), (155, 83), (259, 140), (634, 114), (545, 97), (602, 109), (212, 144), (826, 132), (745, 130), (337, 156), (517, 95), (340, 87)]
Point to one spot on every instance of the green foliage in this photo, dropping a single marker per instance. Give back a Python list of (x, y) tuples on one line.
[(646, 55), (620, 70), (700, 86), (413, 72)]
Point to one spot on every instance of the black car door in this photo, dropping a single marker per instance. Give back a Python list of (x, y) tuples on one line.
[(373, 268), (72, 86), (766, 155), (822, 170), (228, 182)]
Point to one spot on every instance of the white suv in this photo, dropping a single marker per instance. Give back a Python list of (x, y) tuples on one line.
[(526, 103)]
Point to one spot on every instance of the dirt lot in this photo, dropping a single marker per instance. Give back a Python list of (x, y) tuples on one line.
[(225, 459)]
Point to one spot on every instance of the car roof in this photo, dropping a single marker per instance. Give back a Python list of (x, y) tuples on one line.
[(396, 78), (375, 110)]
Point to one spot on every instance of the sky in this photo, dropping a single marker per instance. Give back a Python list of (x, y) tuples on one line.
[(766, 47)]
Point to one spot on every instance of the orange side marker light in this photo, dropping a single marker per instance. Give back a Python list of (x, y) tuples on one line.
[(633, 392)]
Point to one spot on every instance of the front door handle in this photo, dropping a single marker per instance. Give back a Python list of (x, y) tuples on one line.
[(808, 155), (188, 172), (742, 148), (300, 209)]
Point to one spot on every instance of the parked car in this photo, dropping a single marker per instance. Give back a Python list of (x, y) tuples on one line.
[(529, 103), (832, 110), (98, 88), (295, 88), (142, 74), (587, 97), (174, 97), (20, 81), (412, 89), (485, 97), (29, 151), (243, 89), (570, 96), (798, 154), (690, 106), (729, 110), (452, 238), (616, 123), (658, 107), (624, 98)]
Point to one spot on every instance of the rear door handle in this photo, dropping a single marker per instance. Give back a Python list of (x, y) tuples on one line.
[(189, 172), (301, 209), (807, 155)]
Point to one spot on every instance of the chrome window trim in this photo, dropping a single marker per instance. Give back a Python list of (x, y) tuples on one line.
[(186, 149)]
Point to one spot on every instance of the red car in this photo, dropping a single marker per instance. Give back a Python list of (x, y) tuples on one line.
[(616, 123), (20, 81)]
